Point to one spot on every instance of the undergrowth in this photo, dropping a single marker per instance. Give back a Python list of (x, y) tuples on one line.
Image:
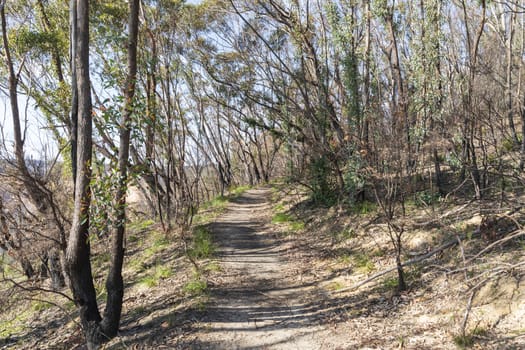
[(202, 246), (293, 225), (196, 287), (155, 275)]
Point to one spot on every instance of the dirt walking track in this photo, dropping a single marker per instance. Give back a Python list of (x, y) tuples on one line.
[(259, 301)]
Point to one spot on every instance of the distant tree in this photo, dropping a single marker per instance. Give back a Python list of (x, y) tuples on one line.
[(33, 185)]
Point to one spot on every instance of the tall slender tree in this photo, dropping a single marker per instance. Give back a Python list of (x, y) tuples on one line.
[(97, 329)]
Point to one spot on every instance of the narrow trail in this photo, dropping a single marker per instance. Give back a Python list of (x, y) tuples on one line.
[(259, 302)]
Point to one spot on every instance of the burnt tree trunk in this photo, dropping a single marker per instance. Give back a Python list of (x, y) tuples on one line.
[(78, 265), (97, 330), (114, 282)]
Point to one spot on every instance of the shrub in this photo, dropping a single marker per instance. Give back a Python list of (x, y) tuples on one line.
[(202, 244), (196, 287), (280, 218)]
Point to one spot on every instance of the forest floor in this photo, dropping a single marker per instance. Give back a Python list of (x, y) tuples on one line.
[(282, 277)]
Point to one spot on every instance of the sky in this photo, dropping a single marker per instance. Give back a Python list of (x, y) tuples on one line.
[(38, 144)]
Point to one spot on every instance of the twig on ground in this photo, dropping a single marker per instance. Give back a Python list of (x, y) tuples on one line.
[(463, 257), (467, 312), (406, 263), (496, 243), (442, 217)]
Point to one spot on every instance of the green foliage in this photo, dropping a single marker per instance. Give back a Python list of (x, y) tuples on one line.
[(15, 324), (140, 262), (364, 207), (427, 197), (281, 218), (98, 260), (141, 225), (154, 275), (508, 144), (209, 210), (479, 332), (100, 289), (335, 286), (453, 160), (148, 281), (363, 263), (160, 242), (103, 184), (132, 238), (344, 235), (380, 8), (344, 259), (323, 190), (296, 226), (137, 311), (138, 265), (239, 190), (202, 246), (197, 286), (342, 26), (6, 266), (26, 39), (109, 17), (464, 341), (279, 207), (378, 253), (163, 272), (40, 305), (218, 203), (354, 179), (390, 283), (212, 267)]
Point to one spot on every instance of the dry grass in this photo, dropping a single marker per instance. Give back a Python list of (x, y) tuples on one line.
[(342, 247)]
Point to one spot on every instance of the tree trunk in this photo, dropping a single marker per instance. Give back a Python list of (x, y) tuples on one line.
[(400, 118), (78, 265), (114, 282), (401, 285), (96, 329), (439, 176), (74, 88), (508, 80), (366, 79), (43, 273), (55, 269), (522, 150), (27, 267)]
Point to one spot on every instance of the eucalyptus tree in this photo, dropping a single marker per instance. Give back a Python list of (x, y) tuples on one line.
[(97, 329), (297, 76), (424, 76), (502, 18), (472, 47), (35, 185)]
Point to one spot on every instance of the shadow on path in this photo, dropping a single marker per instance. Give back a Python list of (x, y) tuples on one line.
[(259, 300), (256, 301)]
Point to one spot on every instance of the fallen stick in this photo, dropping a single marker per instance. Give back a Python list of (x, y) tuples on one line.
[(515, 234), (439, 249), (448, 244), (444, 216)]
